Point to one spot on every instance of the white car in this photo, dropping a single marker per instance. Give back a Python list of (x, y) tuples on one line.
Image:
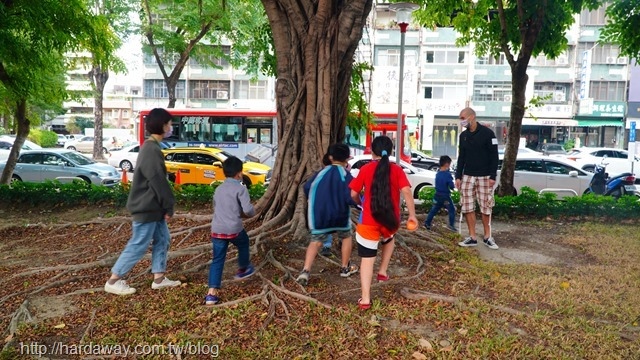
[(6, 142), (419, 178), (521, 150), (85, 144), (617, 161), (549, 174), (124, 158), (127, 157), (61, 140)]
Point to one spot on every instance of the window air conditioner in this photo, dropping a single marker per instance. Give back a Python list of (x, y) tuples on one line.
[(623, 60), (611, 60), (559, 96), (507, 98), (223, 95), (561, 60)]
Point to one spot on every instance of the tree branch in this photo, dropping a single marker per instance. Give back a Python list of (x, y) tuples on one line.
[(504, 36)]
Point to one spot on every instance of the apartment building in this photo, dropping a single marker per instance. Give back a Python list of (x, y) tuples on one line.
[(585, 89), (117, 101), (206, 87)]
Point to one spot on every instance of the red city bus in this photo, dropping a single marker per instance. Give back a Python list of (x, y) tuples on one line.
[(239, 131), (387, 124)]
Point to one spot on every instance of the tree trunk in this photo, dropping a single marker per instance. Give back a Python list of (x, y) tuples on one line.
[(519, 79), (314, 43), (23, 132), (99, 78), (171, 90)]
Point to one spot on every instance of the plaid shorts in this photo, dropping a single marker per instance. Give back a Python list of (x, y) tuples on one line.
[(475, 188)]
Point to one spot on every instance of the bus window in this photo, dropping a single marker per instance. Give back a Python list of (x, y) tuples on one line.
[(265, 136), (252, 135)]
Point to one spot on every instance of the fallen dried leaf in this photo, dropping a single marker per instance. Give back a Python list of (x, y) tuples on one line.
[(374, 321), (463, 331), (60, 326), (418, 356), (425, 345)]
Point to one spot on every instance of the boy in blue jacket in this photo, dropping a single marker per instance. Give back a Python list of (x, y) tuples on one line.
[(442, 197), (329, 210)]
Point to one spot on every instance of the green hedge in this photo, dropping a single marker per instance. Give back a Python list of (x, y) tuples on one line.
[(533, 205), (54, 193), (44, 138), (528, 204)]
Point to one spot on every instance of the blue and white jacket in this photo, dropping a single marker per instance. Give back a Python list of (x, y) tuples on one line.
[(329, 200)]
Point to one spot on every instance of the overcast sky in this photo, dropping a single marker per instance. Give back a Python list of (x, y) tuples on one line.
[(131, 54)]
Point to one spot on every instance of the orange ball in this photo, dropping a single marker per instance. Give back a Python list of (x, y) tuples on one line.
[(412, 225)]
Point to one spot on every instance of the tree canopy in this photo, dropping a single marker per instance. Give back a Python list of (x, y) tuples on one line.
[(35, 38), (622, 27), (519, 30), (203, 30)]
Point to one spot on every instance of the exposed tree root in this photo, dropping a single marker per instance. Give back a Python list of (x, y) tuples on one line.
[(111, 260), (414, 294), (400, 240), (294, 294), (117, 230), (249, 298), (89, 328), (101, 221), (189, 230), (430, 243)]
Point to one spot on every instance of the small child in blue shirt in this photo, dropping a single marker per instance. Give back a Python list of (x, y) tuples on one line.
[(442, 197)]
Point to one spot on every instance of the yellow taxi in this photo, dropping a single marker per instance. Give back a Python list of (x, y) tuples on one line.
[(202, 165)]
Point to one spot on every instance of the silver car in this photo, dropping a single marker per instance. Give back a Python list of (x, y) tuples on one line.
[(63, 165), (85, 144)]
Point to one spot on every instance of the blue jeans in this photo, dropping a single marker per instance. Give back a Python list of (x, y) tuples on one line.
[(438, 203), (143, 233), (220, 254)]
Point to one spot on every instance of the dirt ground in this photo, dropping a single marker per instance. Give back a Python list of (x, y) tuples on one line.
[(51, 253)]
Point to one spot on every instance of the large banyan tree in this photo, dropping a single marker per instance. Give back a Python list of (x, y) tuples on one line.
[(315, 42)]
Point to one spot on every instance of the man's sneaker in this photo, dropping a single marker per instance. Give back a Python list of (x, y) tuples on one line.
[(303, 278), (120, 287), (427, 226), (452, 228), (350, 269), (490, 243), (245, 273), (326, 251), (468, 242), (211, 300), (165, 283)]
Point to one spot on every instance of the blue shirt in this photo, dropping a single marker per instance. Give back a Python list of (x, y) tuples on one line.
[(444, 183)]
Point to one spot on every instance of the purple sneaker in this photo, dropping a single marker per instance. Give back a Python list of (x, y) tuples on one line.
[(245, 273), (211, 300)]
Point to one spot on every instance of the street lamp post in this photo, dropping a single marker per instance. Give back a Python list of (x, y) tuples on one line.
[(403, 15)]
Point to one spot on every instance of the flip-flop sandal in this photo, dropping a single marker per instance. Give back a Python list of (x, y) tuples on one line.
[(382, 278), (363, 306)]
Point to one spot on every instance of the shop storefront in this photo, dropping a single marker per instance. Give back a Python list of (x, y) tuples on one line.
[(601, 125)]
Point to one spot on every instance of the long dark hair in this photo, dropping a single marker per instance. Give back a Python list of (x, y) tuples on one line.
[(382, 207)]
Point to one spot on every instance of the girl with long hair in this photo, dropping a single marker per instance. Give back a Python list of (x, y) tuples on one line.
[(382, 182)]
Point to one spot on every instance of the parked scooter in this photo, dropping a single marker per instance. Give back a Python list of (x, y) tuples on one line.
[(617, 186)]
